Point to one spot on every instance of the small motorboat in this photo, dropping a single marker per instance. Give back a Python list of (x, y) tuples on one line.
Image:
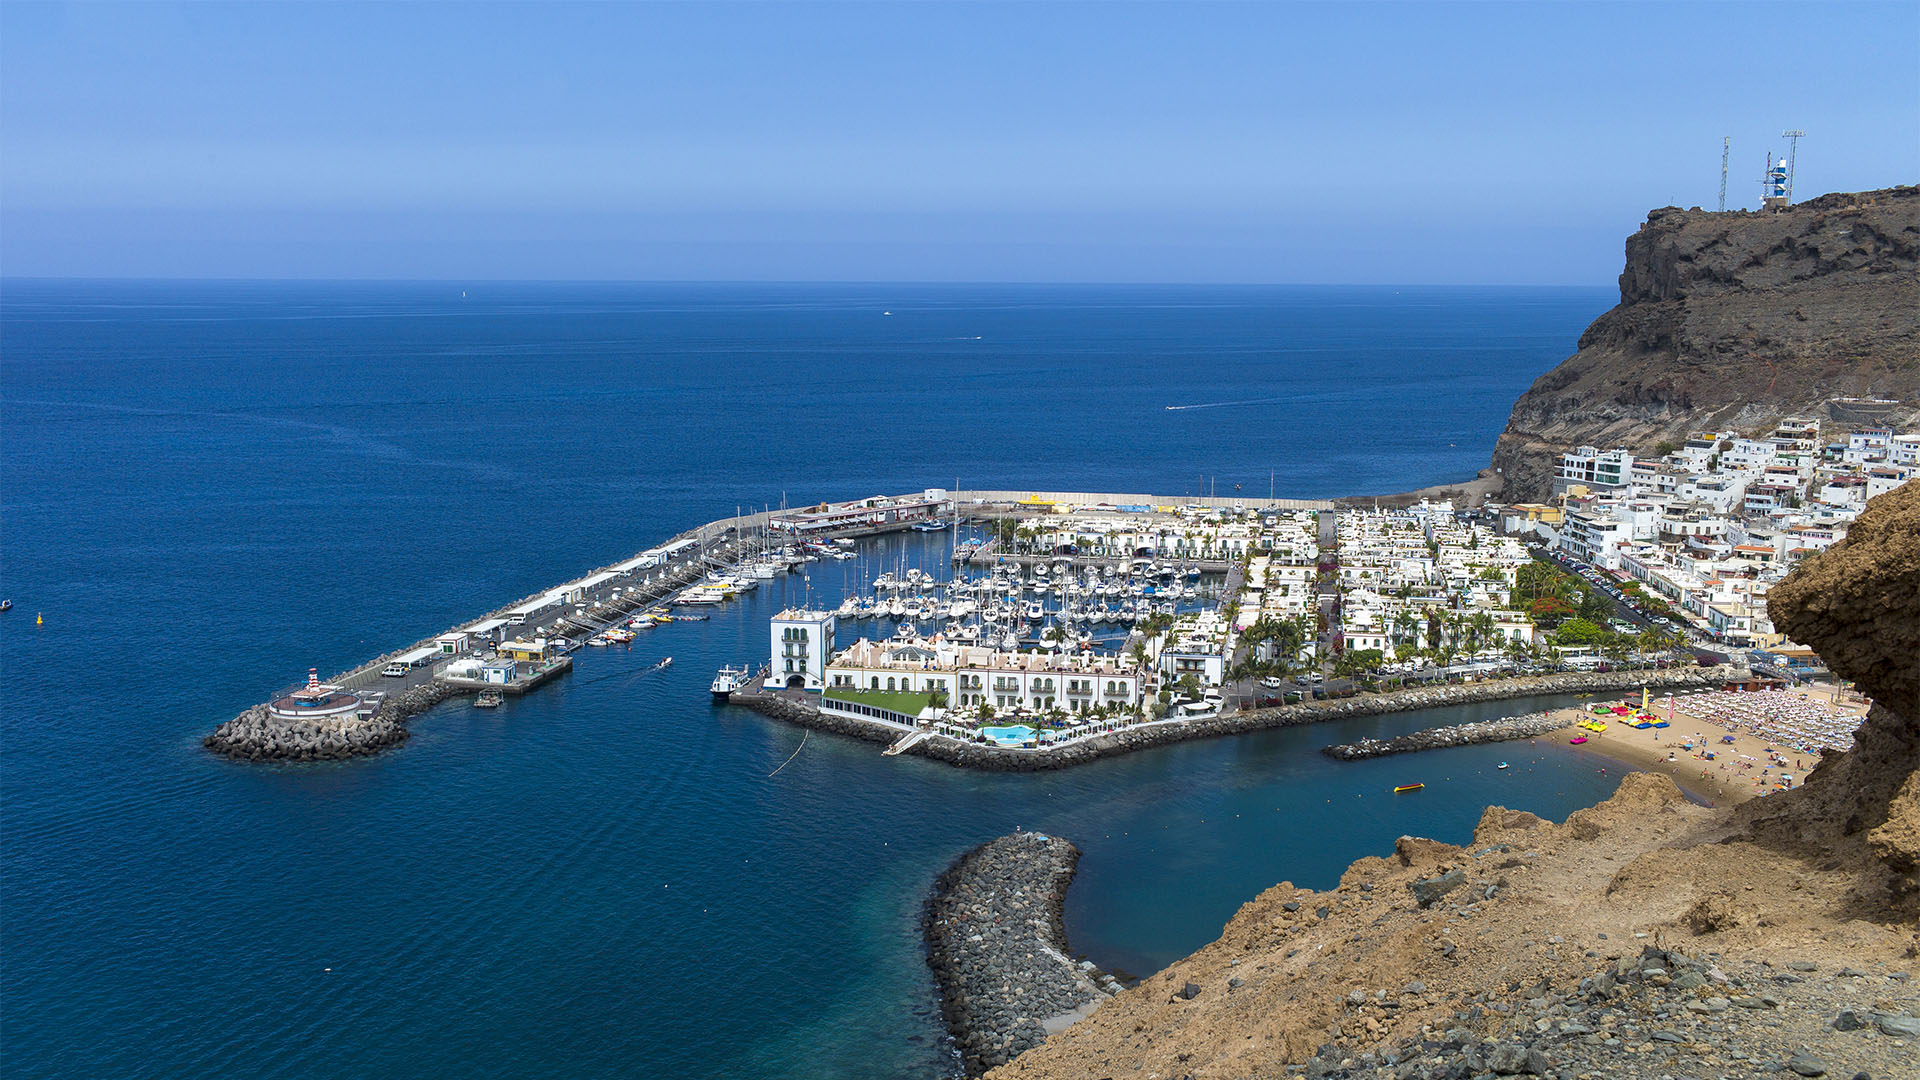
[(1404, 788), (488, 699), (6, 605), (1502, 765)]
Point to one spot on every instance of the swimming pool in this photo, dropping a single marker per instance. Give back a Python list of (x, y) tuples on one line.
[(1008, 736)]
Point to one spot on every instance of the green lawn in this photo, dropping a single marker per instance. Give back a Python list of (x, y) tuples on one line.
[(899, 701)]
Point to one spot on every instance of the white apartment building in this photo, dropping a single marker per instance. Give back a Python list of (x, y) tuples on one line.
[(1748, 454), (1868, 446), (802, 642), (1597, 469), (974, 675), (1884, 478)]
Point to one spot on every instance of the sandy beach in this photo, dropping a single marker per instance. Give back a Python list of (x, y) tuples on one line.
[(1747, 767)]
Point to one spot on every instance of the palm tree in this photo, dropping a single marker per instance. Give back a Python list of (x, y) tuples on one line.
[(1480, 628), (1405, 626)]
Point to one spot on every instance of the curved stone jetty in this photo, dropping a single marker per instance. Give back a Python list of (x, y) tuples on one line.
[(998, 948), (969, 755), (258, 735), (1480, 731)]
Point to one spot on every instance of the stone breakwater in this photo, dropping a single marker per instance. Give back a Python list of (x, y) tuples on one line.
[(1480, 731), (997, 943), (256, 735), (991, 758)]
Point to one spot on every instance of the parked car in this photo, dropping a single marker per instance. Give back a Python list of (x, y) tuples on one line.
[(396, 671)]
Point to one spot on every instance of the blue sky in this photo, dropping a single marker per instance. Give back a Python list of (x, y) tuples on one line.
[(1350, 143)]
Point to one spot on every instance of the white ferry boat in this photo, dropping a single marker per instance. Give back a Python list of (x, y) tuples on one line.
[(728, 680)]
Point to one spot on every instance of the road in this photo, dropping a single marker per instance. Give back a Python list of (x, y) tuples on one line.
[(1619, 608)]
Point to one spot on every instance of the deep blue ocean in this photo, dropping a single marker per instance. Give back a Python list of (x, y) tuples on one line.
[(210, 487)]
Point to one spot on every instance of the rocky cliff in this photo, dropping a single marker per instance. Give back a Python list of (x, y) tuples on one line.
[(1730, 321), (1645, 937)]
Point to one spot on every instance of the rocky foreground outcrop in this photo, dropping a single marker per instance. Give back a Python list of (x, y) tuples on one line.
[(258, 735), (998, 948), (1858, 606), (1645, 937), (1731, 321)]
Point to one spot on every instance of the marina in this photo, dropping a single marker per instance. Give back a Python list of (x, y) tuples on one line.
[(1064, 626), (1093, 596)]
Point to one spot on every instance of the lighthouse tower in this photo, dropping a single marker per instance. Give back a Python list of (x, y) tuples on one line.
[(1774, 186)]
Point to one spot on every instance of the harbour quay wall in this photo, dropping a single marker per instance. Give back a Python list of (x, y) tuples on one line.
[(993, 758), (997, 942), (1504, 729)]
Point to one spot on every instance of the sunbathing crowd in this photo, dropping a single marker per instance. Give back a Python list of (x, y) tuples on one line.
[(1778, 716)]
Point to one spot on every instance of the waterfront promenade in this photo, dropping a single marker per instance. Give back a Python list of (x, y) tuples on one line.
[(955, 746)]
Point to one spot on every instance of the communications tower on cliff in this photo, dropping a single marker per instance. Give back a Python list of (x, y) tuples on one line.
[(1726, 146), (1793, 156)]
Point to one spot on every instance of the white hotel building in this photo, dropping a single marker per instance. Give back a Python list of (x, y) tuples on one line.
[(975, 675)]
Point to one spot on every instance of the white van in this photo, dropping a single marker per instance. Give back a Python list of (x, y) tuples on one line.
[(396, 671)]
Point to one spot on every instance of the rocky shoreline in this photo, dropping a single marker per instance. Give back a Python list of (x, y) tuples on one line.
[(255, 735), (1504, 729), (1010, 759), (997, 943)]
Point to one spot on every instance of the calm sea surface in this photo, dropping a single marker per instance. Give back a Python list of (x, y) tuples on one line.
[(208, 488)]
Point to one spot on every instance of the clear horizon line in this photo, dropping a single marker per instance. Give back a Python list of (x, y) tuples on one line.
[(186, 279)]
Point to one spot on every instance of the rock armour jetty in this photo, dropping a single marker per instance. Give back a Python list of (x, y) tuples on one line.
[(1480, 731), (991, 758), (258, 735), (997, 943)]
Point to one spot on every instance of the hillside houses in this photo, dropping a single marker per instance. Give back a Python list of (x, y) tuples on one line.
[(1712, 524)]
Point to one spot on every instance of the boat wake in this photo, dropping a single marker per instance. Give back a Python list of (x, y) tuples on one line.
[(1228, 404)]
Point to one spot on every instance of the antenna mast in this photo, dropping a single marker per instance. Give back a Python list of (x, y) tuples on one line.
[(1726, 146), (1793, 151)]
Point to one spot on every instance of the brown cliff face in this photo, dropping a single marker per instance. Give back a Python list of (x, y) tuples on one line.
[(1730, 321), (1858, 605)]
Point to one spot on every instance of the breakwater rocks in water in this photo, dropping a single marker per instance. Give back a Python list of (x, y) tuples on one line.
[(991, 758), (1481, 731), (257, 735), (997, 943)]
